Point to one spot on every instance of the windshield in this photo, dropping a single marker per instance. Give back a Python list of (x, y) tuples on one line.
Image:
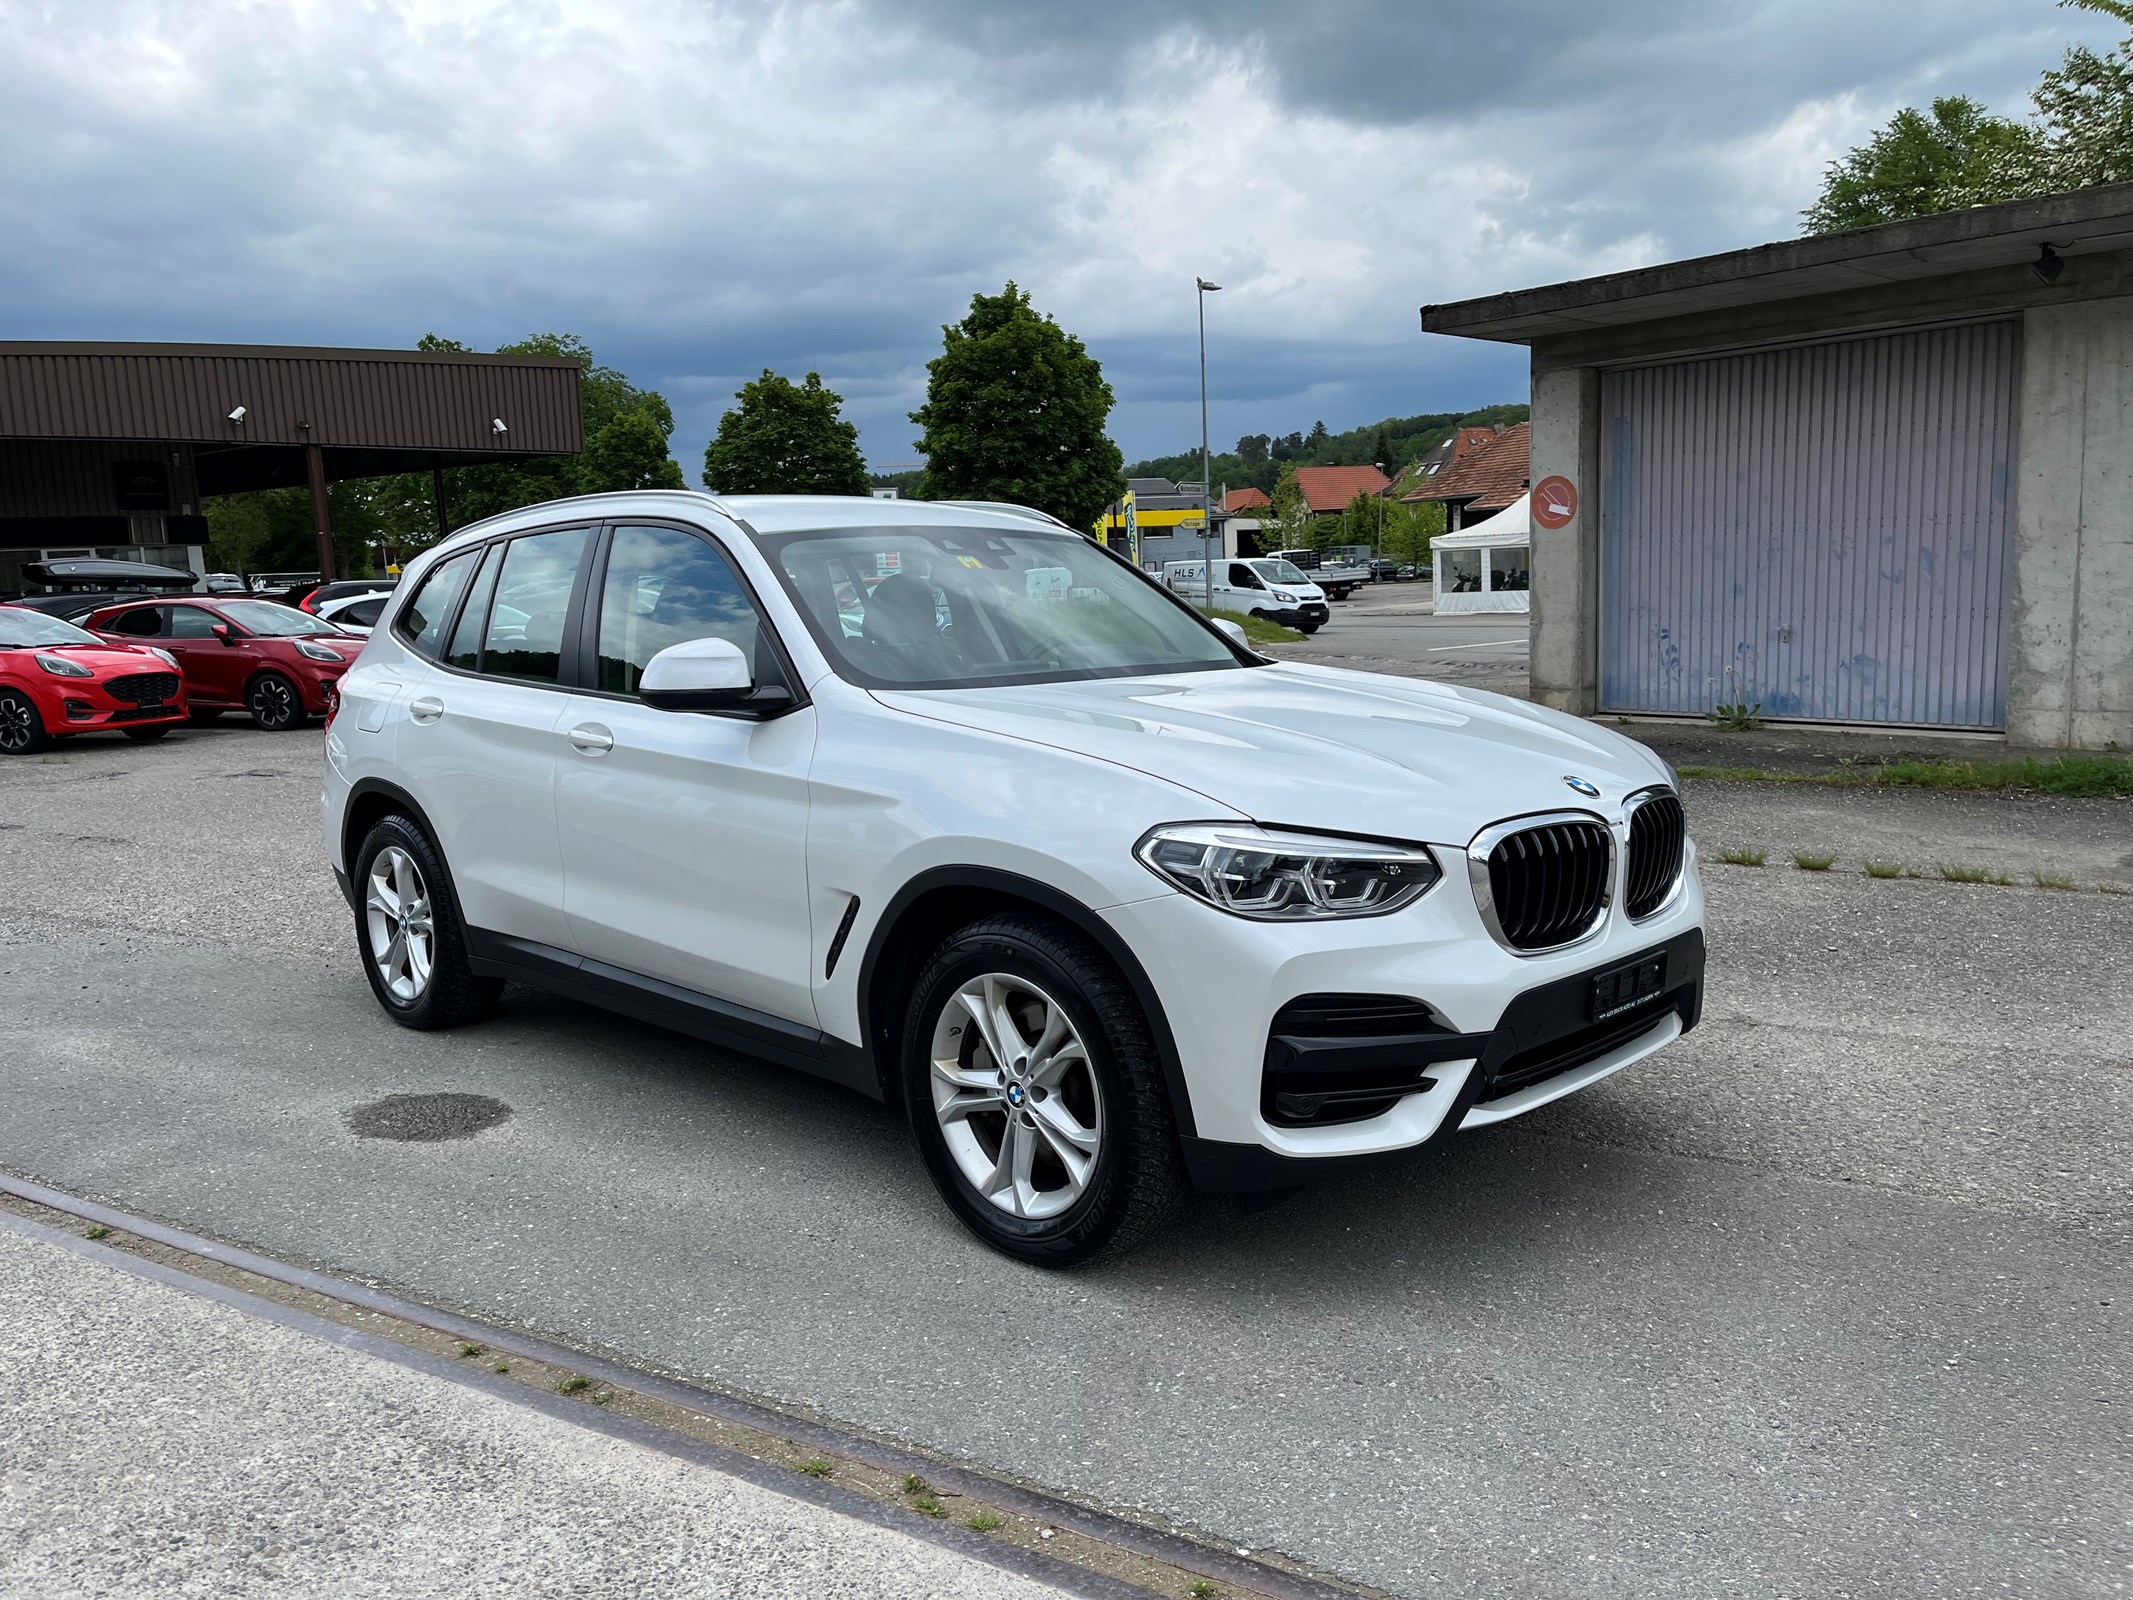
[(275, 621), (1278, 571), (951, 608), (21, 627)]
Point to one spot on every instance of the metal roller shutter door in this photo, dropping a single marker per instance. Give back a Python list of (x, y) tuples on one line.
[(1821, 531)]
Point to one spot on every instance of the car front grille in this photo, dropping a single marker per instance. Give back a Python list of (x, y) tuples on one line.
[(1657, 832), (142, 686), (1546, 885)]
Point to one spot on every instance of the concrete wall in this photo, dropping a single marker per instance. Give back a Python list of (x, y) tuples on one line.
[(2071, 664), (2070, 668)]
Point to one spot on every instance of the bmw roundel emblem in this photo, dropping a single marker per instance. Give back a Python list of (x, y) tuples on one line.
[(1015, 1095), (1590, 791)]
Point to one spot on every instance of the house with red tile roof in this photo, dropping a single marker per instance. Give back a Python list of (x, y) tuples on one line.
[(1327, 490), (1485, 480), (1238, 501), (1448, 453)]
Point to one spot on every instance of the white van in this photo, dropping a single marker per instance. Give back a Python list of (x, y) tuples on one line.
[(1256, 585)]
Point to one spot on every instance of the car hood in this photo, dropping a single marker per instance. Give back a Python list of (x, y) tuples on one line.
[(1316, 747), (105, 658)]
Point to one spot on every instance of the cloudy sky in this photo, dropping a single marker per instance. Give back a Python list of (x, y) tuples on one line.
[(704, 188)]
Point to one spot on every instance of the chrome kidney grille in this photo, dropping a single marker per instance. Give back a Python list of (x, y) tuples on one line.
[(1658, 830), (1543, 882)]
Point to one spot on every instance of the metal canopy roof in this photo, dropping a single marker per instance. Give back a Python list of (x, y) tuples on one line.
[(370, 412), (2007, 234)]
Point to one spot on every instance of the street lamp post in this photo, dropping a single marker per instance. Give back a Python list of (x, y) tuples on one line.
[(1207, 509)]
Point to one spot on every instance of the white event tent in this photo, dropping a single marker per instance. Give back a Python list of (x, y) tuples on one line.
[(1487, 554)]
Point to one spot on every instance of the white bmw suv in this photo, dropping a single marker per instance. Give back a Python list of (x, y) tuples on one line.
[(952, 806)]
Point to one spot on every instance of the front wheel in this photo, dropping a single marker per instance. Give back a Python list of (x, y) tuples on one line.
[(1037, 1095), (21, 728), (276, 704), (413, 944)]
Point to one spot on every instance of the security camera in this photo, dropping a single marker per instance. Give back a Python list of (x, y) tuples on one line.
[(2047, 266), (237, 415), (496, 425)]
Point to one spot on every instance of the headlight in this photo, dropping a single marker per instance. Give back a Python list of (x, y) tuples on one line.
[(165, 657), (1284, 597), (1273, 876), (61, 667), (318, 652)]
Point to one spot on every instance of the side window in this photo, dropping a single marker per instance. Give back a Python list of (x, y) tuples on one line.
[(192, 622), (422, 623), (465, 649), (146, 623), (1242, 576), (525, 633), (665, 587), (364, 613)]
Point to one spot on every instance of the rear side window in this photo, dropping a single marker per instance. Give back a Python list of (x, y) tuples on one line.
[(524, 638), (421, 624), (465, 650), (364, 613), (191, 622), (666, 587), (146, 623)]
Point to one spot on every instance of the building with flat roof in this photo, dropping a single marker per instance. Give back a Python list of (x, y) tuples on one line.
[(1882, 477), (108, 449)]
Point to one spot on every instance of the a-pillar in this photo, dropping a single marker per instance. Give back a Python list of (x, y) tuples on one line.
[(321, 509)]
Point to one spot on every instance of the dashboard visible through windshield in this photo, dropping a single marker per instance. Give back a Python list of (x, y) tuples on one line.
[(943, 608)]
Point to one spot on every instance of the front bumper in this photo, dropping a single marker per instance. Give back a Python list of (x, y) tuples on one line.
[(1308, 615), (1222, 981), (82, 705)]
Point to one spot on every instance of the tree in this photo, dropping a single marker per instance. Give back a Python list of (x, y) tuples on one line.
[(785, 438), (1252, 449), (237, 532), (1015, 410), (1960, 155), (1318, 434), (1360, 521), (1289, 512), (1381, 450), (2084, 114)]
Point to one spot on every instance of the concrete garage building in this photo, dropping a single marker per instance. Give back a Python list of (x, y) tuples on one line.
[(1882, 477), (108, 449)]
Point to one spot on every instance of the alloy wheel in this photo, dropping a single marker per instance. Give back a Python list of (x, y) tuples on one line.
[(18, 725), (273, 702), (396, 908), (1016, 1096)]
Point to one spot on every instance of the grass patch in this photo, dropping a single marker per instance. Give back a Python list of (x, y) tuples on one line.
[(816, 1467), (97, 1231), (1257, 629), (1974, 875), (1743, 858), (466, 1349), (573, 1385), (1201, 1589), (2078, 777), (983, 1522), (1813, 863), (2051, 880), (1884, 869)]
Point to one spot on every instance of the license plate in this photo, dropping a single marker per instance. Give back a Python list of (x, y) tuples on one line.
[(151, 705), (1625, 988)]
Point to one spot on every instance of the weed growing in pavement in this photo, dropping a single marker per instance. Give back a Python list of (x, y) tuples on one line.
[(1974, 875), (1743, 858), (929, 1506), (501, 1366), (914, 1484), (983, 1522), (1201, 1589), (1813, 863), (816, 1467), (1739, 717), (1884, 869), (573, 1385), (2052, 880), (466, 1349), (97, 1231)]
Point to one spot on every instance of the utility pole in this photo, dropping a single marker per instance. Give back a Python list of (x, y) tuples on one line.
[(1207, 509)]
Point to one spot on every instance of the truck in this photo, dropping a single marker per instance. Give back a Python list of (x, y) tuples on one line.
[(1339, 570)]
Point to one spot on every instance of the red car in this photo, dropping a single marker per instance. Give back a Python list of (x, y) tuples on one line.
[(274, 661), (56, 679)]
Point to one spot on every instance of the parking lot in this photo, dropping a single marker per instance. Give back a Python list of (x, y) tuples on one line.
[(1389, 627), (1830, 1299)]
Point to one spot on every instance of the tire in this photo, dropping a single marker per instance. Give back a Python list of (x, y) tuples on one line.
[(146, 735), (21, 727), (1307, 632), (204, 715), (1113, 1091), (449, 992), (275, 702)]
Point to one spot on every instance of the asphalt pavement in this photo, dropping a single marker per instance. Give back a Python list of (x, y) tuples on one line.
[(1391, 627), (1830, 1299)]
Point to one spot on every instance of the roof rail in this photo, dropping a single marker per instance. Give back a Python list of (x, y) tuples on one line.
[(1009, 508)]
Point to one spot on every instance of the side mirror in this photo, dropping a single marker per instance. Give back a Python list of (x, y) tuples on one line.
[(706, 675), (1232, 632), (225, 633)]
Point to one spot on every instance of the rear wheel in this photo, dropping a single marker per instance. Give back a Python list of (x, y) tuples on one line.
[(276, 704), (147, 735), (21, 728), (413, 943), (1037, 1094)]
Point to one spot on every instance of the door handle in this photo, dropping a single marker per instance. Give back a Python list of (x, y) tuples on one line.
[(589, 738), (427, 709)]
